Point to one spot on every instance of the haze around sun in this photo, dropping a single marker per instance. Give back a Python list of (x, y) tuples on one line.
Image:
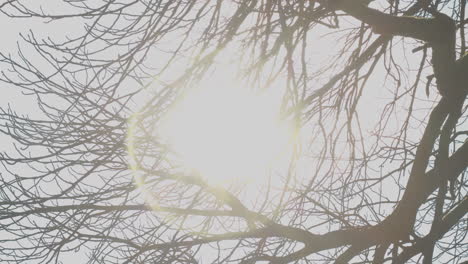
[(228, 134)]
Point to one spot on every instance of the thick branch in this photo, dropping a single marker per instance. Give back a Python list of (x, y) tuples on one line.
[(448, 221), (436, 29)]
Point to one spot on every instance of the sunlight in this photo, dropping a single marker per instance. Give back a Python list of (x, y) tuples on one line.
[(228, 135)]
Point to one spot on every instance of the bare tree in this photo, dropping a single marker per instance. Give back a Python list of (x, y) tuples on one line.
[(391, 191)]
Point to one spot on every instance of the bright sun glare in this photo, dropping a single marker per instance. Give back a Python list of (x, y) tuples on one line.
[(228, 135)]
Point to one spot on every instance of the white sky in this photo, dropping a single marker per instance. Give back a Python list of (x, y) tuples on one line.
[(373, 99)]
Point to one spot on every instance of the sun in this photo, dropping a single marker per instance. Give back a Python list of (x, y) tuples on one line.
[(227, 134)]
